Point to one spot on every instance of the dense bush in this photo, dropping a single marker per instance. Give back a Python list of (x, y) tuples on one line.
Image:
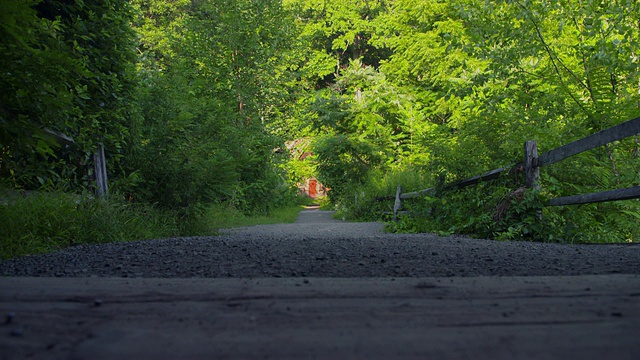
[(67, 67)]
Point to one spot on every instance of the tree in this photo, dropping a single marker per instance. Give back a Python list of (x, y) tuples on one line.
[(208, 95), (333, 33), (67, 68), (361, 126)]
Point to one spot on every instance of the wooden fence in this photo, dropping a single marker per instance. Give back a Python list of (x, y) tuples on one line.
[(532, 163), (99, 163)]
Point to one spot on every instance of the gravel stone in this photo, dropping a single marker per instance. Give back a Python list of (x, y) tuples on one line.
[(319, 246)]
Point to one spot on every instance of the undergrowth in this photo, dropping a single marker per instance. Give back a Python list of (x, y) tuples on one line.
[(504, 213), (501, 209), (373, 199), (215, 217), (44, 222)]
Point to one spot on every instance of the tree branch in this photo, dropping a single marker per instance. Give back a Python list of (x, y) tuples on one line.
[(555, 58)]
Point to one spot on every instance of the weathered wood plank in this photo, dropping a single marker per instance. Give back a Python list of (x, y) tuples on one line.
[(531, 169), (618, 132), (398, 203), (418, 193), (100, 171), (581, 317), (611, 195), (61, 138), (489, 175)]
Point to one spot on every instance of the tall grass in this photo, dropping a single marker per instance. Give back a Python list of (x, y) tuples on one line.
[(49, 221), (212, 218), (44, 222), (361, 202)]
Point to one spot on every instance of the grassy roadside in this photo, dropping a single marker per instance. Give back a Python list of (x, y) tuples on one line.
[(214, 218), (41, 223)]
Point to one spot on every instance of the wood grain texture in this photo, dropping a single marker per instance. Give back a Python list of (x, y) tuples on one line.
[(585, 317), (611, 195), (616, 133)]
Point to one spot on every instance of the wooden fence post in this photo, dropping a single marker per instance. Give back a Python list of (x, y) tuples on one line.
[(531, 168), (100, 172), (398, 204)]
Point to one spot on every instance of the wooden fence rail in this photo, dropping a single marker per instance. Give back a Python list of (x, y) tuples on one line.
[(532, 163)]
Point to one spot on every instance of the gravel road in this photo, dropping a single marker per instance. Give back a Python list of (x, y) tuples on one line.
[(319, 246)]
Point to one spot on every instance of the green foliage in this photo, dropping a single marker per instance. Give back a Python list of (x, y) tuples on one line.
[(194, 101), (210, 220), (185, 123), (205, 98), (44, 222), (373, 199), (67, 68), (359, 119), (332, 34), (488, 210), (469, 81), (299, 170), (500, 212)]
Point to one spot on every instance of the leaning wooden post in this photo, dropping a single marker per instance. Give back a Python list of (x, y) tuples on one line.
[(398, 203), (531, 168), (100, 172)]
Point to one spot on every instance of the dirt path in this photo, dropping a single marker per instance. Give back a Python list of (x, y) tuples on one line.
[(363, 314), (319, 246), (313, 215)]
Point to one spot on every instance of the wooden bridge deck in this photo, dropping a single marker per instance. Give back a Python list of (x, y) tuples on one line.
[(582, 317)]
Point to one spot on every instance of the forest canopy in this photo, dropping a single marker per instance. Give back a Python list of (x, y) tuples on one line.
[(195, 100)]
